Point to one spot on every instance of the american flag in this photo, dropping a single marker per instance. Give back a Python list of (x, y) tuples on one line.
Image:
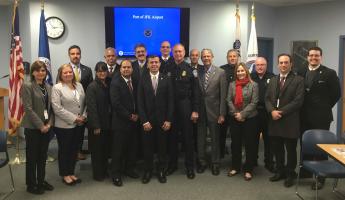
[(15, 105)]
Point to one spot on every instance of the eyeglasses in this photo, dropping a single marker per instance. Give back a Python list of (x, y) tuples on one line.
[(165, 47)]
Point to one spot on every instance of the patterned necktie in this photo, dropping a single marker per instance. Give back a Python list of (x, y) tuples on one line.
[(207, 76), (76, 73), (154, 83), (111, 69), (282, 82), (129, 83)]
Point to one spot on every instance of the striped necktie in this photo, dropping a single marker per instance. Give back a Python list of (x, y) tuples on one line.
[(207, 76)]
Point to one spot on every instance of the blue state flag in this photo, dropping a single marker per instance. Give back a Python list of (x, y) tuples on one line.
[(43, 48)]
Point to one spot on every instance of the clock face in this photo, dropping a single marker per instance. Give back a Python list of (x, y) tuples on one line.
[(55, 27)]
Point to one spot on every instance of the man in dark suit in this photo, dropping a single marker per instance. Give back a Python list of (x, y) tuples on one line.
[(232, 58), (322, 92), (212, 82), (111, 58), (156, 106), (123, 90), (83, 74), (194, 56), (186, 104), (284, 98), (165, 58), (140, 64), (262, 77)]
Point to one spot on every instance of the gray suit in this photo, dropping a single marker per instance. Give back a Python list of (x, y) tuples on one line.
[(66, 105), (34, 105), (212, 106)]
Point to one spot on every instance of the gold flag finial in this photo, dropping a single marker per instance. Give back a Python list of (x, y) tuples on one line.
[(42, 4)]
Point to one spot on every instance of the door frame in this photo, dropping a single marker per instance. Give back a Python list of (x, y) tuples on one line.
[(341, 75), (272, 61)]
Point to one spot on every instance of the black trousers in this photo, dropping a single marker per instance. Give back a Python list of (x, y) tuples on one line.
[(183, 124), (155, 139), (99, 148), (263, 128), (243, 132), (68, 142), (222, 136), (279, 145), (124, 150), (81, 137), (36, 156)]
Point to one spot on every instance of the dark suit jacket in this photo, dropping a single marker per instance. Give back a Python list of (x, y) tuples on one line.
[(321, 96), (34, 105), (138, 71), (86, 76), (290, 102), (155, 108), (213, 98), (165, 64), (98, 105), (123, 103)]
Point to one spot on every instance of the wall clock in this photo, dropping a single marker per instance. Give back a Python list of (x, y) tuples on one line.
[(55, 27)]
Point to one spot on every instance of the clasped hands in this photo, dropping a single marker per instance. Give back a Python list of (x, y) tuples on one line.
[(148, 127)]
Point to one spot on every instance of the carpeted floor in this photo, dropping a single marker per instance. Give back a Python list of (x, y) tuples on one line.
[(204, 187)]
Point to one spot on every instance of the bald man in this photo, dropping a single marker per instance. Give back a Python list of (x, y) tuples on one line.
[(262, 77), (110, 57)]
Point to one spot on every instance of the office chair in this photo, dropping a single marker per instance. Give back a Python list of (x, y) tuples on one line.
[(320, 168), (4, 160)]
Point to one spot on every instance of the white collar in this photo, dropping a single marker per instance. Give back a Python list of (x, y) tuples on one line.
[(313, 68), (156, 75)]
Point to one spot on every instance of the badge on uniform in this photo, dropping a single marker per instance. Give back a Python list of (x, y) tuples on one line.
[(195, 73), (45, 113), (268, 81), (184, 73)]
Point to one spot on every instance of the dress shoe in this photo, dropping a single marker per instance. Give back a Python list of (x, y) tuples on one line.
[(232, 172), (319, 184), (78, 180), (248, 176), (215, 170), (46, 186), (170, 170), (132, 174), (201, 169), (117, 182), (190, 174), (68, 183), (277, 177), (161, 177), (147, 177), (35, 190), (289, 181)]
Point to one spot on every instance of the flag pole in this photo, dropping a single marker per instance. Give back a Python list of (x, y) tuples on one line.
[(16, 160)]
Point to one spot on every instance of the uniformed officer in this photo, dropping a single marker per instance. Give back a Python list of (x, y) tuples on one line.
[(262, 78), (232, 58), (186, 104)]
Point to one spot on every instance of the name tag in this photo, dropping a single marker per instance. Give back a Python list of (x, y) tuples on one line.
[(45, 113)]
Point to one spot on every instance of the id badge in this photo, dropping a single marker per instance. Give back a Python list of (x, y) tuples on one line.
[(45, 113)]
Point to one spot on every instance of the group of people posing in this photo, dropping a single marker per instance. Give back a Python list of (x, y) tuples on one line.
[(146, 108)]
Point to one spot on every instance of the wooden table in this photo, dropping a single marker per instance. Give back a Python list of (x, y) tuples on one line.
[(336, 151)]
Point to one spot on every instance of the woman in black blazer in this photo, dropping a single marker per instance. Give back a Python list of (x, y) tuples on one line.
[(38, 119), (99, 119)]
